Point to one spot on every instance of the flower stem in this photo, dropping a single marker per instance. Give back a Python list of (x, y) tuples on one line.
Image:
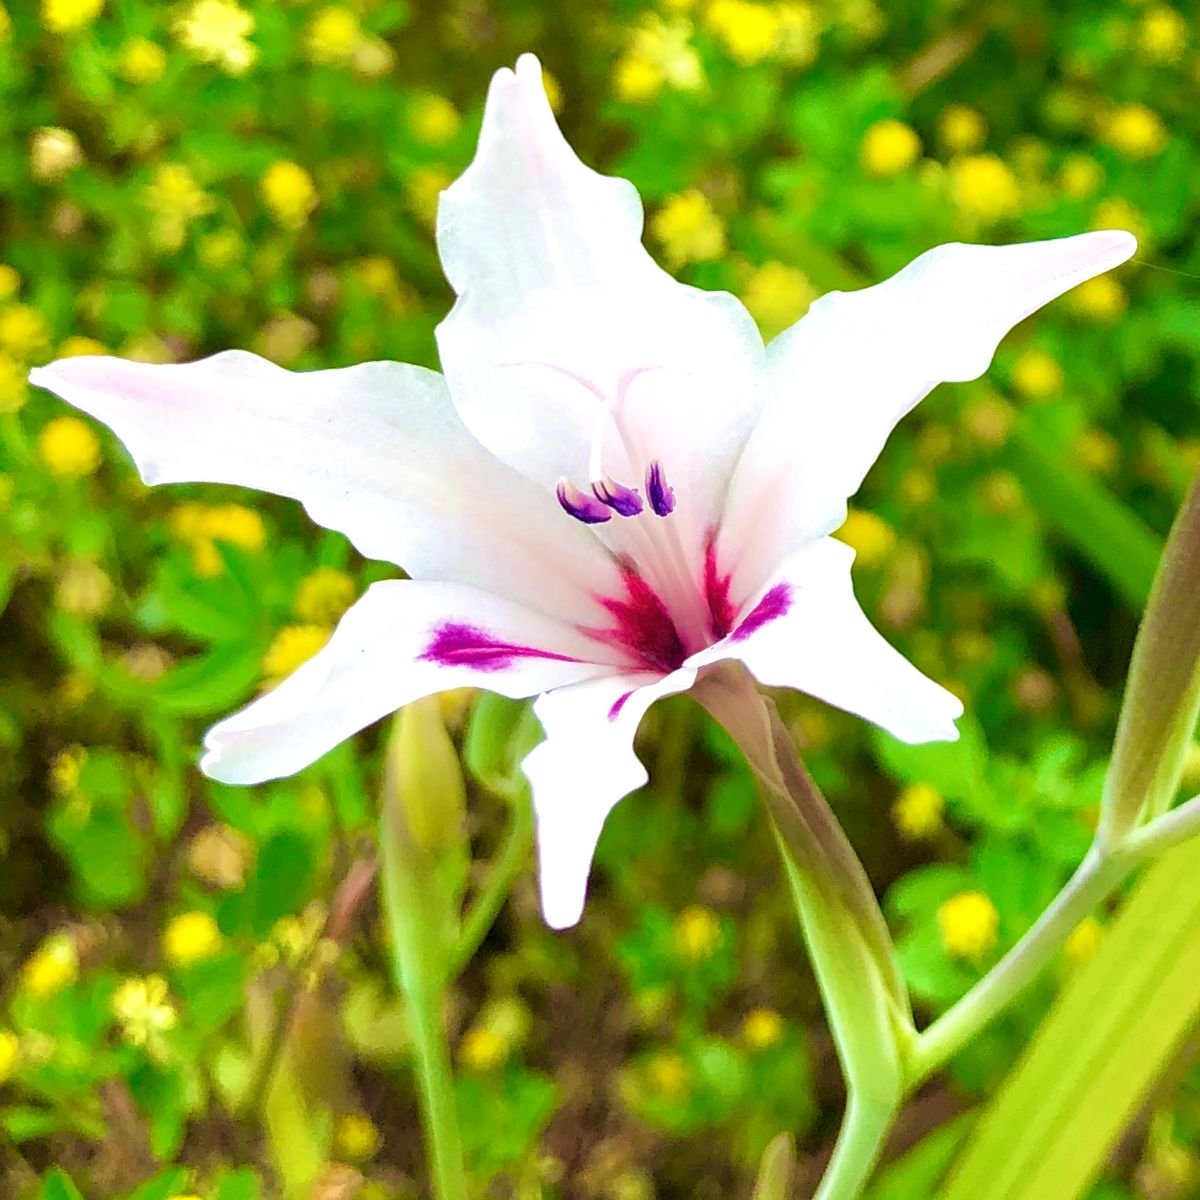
[(865, 1127)]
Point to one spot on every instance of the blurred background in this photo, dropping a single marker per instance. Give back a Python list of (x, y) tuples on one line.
[(180, 178)]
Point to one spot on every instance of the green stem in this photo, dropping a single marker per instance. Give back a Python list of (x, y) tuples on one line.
[(864, 1130)]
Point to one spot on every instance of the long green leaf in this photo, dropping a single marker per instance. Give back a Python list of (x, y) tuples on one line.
[(1048, 1132)]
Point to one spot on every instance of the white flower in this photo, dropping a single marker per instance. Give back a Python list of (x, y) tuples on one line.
[(613, 485)]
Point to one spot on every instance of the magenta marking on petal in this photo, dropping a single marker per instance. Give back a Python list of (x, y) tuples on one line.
[(643, 627), (625, 502), (721, 611), (618, 704), (660, 495), (770, 608), (456, 644), (580, 505)]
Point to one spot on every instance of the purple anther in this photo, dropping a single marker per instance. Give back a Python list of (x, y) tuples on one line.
[(580, 505), (661, 496), (625, 502)]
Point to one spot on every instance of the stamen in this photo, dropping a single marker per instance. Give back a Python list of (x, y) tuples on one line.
[(580, 505), (622, 500), (660, 495)]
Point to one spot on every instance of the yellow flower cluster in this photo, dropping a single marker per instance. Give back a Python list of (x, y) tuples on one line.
[(289, 193), (10, 1053), (890, 147), (1036, 375), (1100, 299), (869, 535), (969, 925), (355, 1137), (434, 119), (141, 61), (67, 16), (483, 1049), (293, 646), (689, 229), (1163, 35), (425, 186), (201, 526), (218, 32), (68, 447), (660, 54), (917, 812), (333, 35), (144, 1009), (749, 31), (1135, 131), (697, 933), (52, 967), (53, 153), (777, 296), (323, 596), (762, 1029), (961, 129), (190, 938), (175, 200), (984, 188)]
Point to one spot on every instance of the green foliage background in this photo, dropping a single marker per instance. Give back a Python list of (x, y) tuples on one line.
[(1006, 542)]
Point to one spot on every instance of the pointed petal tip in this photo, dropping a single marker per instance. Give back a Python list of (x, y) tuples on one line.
[(529, 66), (1119, 243)]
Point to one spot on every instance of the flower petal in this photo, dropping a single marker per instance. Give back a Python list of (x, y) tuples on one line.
[(403, 640), (563, 320), (843, 376), (807, 632), (376, 451), (580, 772)]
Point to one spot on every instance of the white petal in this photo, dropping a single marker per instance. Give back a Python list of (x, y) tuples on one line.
[(563, 317), (580, 772), (403, 640), (810, 634), (376, 451), (843, 376)]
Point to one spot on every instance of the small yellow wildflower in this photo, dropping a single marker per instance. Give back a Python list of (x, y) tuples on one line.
[(799, 31), (636, 79), (1080, 176), (10, 1051), (869, 535), (1135, 131), (697, 933), (10, 282), (14, 380), (969, 925), (144, 1009), (293, 646), (961, 129), (189, 938), (1036, 375), (66, 16), (76, 346), (69, 447), (918, 811), (175, 199), (1098, 452), (83, 588), (889, 147), (334, 34), (220, 250), (355, 1137), (1163, 35), (53, 153), (482, 1049), (777, 296), (141, 61), (1085, 940), (323, 596), (425, 186), (236, 524), (22, 330), (748, 31), (65, 769), (660, 53), (688, 229), (374, 58), (288, 191), (218, 31), (1100, 299), (762, 1029), (984, 188), (669, 1075), (52, 967), (434, 119)]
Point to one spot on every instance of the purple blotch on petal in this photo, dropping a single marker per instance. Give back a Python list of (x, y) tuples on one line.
[(580, 505), (456, 644), (659, 493), (625, 502), (618, 704), (770, 608)]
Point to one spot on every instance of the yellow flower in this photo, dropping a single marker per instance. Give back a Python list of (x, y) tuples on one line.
[(1085, 940), (660, 53), (869, 535), (217, 31), (65, 16), (961, 129), (189, 938), (748, 31), (1135, 131), (482, 1049), (425, 186), (355, 1137), (1101, 298), (289, 192), (175, 199), (68, 447), (22, 330), (293, 646), (334, 34), (799, 29), (669, 1075), (697, 933), (969, 925), (1080, 176), (918, 810), (220, 250), (75, 346), (889, 147), (374, 58), (688, 229), (984, 188), (200, 527), (323, 596), (636, 79), (144, 1009), (14, 390), (777, 296), (10, 1051), (1036, 375), (52, 967), (141, 61), (10, 282), (53, 153), (434, 119), (762, 1029), (1163, 35)]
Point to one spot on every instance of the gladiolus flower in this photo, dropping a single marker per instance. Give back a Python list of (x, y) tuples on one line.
[(613, 485)]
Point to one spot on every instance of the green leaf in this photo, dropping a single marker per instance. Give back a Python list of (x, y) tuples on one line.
[(58, 1186), (776, 1169), (918, 1172), (1049, 1131), (212, 682)]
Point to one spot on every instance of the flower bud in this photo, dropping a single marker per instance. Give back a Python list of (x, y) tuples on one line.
[(428, 778)]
